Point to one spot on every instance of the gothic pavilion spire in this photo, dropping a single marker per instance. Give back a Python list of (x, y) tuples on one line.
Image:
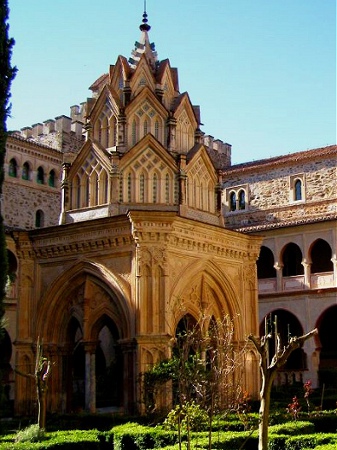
[(144, 45)]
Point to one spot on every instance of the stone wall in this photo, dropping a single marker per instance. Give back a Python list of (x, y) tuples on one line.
[(269, 191), (23, 202)]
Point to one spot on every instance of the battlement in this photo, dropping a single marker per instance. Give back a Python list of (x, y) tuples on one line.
[(220, 150), (62, 133)]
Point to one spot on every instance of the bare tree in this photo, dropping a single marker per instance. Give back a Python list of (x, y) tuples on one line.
[(269, 371), (41, 375)]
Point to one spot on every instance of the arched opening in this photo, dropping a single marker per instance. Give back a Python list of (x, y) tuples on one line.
[(242, 199), (13, 168), (286, 325), (232, 201), (298, 190), (74, 363), (25, 171), (328, 355), (39, 218), (265, 264), (51, 178), (187, 345), (292, 260), (109, 365), (321, 257), (11, 275), (40, 175)]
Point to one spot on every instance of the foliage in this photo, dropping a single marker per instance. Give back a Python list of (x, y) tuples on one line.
[(135, 436), (294, 408), (189, 416), (7, 75), (308, 390), (33, 433)]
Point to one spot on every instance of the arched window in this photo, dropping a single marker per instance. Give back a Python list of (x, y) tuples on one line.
[(232, 201), (292, 260), (321, 257), (129, 188), (134, 132), (155, 189), (142, 188), (265, 264), (242, 199), (13, 168), (40, 175), (26, 171), (167, 188), (156, 130), (298, 190), (39, 219), (51, 178), (146, 125)]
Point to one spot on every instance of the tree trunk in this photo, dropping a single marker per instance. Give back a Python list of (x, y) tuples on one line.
[(264, 413)]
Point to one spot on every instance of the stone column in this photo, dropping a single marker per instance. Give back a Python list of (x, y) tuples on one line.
[(334, 262), (171, 140), (90, 376), (279, 276), (65, 193), (307, 273)]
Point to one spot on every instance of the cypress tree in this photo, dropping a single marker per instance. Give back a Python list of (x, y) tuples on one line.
[(7, 73)]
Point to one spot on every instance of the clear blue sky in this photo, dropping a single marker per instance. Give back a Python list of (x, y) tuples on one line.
[(262, 71)]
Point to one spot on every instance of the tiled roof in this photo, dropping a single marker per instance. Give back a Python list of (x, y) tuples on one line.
[(285, 223), (330, 150)]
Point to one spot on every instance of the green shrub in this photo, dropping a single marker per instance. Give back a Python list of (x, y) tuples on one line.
[(132, 436), (33, 433), (190, 415), (292, 428), (61, 440)]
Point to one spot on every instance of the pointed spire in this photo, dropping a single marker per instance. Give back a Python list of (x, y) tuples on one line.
[(144, 46)]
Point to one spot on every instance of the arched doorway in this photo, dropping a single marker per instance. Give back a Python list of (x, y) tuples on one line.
[(286, 325), (328, 355), (109, 365)]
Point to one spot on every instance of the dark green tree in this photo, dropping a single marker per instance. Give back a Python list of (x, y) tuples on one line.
[(7, 74)]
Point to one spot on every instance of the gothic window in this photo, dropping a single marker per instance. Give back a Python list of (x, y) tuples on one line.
[(167, 188), (265, 264), (39, 219), (242, 199), (145, 127), (232, 201), (321, 257), (13, 168), (156, 130), (134, 132), (76, 188), (292, 260), (86, 191), (103, 188), (40, 175), (51, 178), (129, 188), (142, 188), (26, 171), (155, 189), (298, 190)]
